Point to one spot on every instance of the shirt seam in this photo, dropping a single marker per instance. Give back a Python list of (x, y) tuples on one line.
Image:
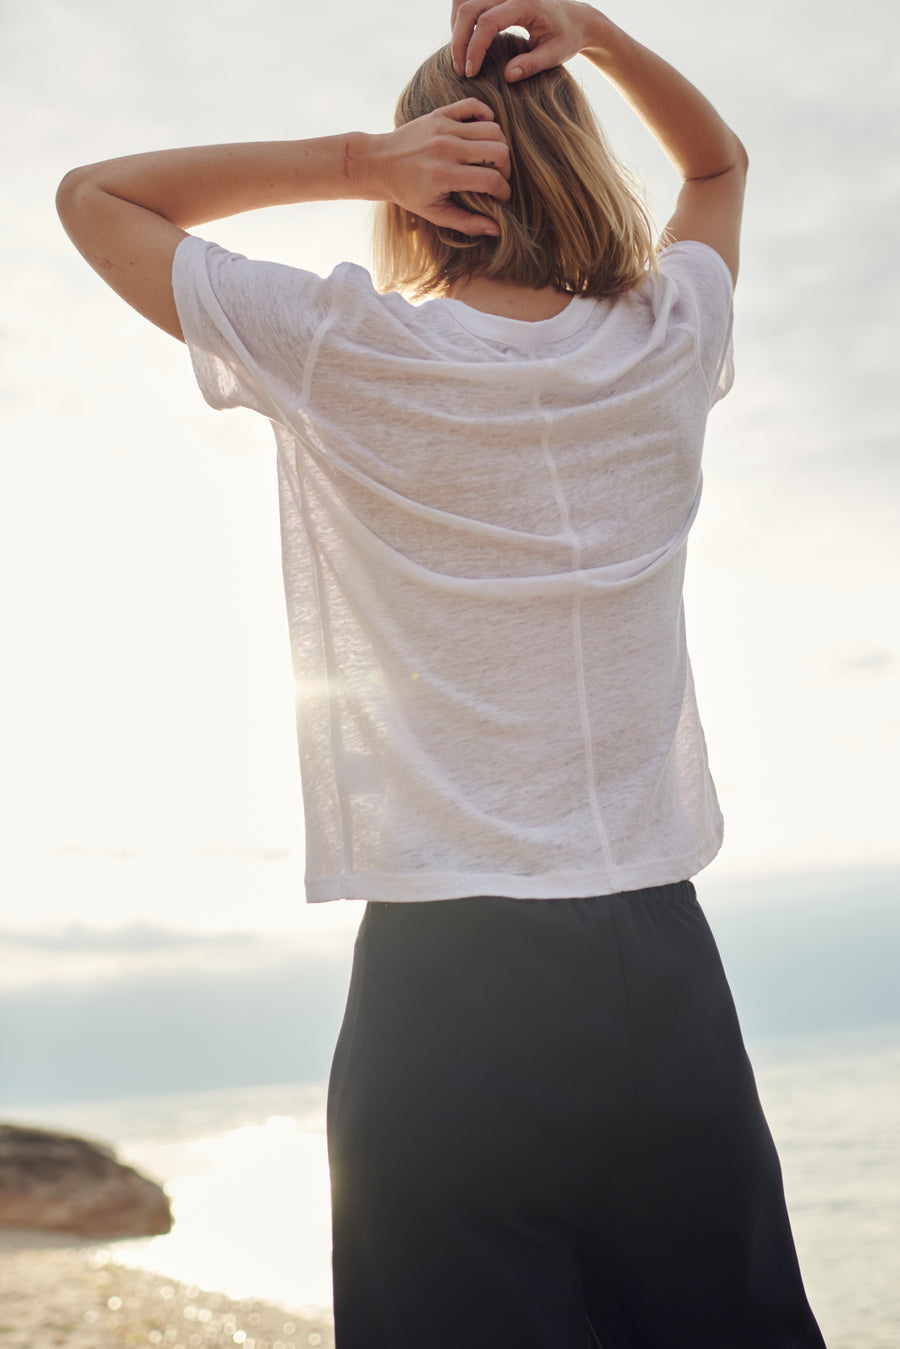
[(577, 630)]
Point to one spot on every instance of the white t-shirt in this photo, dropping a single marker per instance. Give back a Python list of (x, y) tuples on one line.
[(484, 524)]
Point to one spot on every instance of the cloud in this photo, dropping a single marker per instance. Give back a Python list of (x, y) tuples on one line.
[(167, 1030), (137, 936), (122, 854), (78, 955), (806, 952), (257, 854), (96, 850), (811, 951), (863, 660)]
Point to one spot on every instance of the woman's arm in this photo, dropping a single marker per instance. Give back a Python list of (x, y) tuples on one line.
[(706, 153), (127, 216)]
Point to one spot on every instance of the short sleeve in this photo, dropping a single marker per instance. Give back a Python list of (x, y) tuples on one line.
[(249, 326), (705, 300)]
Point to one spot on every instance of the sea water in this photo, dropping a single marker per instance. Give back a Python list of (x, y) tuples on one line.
[(247, 1173), (833, 1104)]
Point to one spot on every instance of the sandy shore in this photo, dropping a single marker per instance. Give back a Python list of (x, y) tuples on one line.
[(72, 1295)]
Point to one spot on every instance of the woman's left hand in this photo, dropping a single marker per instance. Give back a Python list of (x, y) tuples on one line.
[(459, 148)]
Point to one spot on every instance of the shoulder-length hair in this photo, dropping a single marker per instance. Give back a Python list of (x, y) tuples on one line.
[(575, 220)]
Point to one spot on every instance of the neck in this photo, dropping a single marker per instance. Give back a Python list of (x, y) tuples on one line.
[(509, 300)]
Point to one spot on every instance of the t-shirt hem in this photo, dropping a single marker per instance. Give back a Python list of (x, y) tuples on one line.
[(411, 887)]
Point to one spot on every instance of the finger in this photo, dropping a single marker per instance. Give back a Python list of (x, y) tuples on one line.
[(489, 23), (501, 166), (480, 131), (467, 110), (466, 222), (457, 5), (481, 148), (544, 56), (463, 18), (480, 178), (492, 159), (486, 135)]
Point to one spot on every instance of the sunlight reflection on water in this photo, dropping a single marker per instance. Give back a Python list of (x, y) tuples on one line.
[(252, 1212)]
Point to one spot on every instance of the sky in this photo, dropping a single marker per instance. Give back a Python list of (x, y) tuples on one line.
[(149, 768)]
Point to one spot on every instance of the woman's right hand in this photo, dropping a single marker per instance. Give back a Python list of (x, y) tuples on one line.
[(459, 148), (557, 31)]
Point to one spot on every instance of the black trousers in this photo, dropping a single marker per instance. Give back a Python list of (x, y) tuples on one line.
[(544, 1133)]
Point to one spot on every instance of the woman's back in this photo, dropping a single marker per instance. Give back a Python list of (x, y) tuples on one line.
[(495, 513)]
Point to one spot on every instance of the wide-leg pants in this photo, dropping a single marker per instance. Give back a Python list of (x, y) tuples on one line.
[(544, 1133)]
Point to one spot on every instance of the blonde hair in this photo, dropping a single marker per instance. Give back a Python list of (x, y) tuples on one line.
[(575, 220)]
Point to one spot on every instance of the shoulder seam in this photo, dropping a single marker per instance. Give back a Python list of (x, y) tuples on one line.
[(318, 336)]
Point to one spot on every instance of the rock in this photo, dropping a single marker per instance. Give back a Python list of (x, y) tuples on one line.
[(56, 1182)]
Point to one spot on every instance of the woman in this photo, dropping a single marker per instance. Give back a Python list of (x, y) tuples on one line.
[(543, 1128)]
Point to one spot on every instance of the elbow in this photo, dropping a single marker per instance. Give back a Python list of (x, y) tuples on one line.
[(733, 164), (76, 198), (70, 196)]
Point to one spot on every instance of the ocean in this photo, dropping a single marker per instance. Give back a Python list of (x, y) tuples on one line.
[(246, 1169)]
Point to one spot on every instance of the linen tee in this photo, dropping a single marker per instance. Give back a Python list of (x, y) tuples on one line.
[(484, 523)]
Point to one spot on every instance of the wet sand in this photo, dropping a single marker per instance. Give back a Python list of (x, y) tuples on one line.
[(73, 1296)]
